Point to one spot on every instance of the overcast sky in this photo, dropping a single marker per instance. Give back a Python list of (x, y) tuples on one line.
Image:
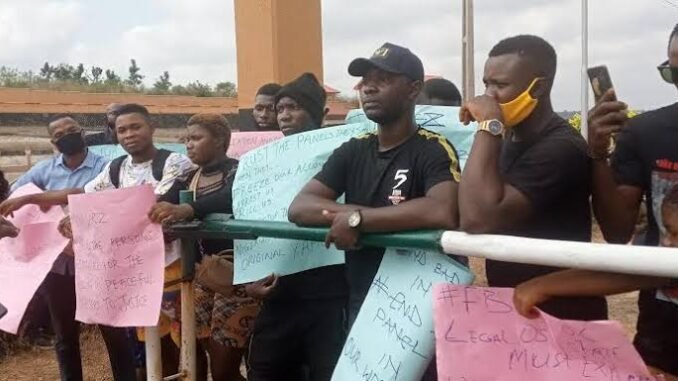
[(194, 39)]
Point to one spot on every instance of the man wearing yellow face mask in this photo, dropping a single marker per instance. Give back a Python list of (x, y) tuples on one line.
[(528, 173)]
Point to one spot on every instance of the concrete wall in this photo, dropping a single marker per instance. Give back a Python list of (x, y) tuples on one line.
[(50, 101), (95, 122), (27, 107)]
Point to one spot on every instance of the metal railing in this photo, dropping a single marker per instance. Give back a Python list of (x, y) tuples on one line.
[(640, 260)]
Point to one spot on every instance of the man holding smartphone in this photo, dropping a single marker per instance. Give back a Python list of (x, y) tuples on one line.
[(644, 162)]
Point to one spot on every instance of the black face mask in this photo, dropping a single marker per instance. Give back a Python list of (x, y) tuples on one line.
[(71, 144)]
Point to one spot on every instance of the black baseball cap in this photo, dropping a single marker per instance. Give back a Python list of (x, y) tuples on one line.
[(391, 58)]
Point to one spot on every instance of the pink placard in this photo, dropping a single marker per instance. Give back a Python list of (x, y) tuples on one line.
[(480, 337), (243, 142), (119, 258), (24, 263)]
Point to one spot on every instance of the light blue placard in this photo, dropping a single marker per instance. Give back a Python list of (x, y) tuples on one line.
[(111, 151), (441, 119), (392, 337), (267, 181)]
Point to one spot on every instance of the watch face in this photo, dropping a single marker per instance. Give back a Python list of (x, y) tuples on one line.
[(354, 219), (495, 127)]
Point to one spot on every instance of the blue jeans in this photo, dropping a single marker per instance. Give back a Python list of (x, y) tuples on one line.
[(59, 291)]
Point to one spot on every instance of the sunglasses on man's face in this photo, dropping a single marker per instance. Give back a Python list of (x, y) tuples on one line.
[(669, 73)]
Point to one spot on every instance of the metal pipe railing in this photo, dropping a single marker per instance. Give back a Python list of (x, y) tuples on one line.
[(642, 260), (654, 261)]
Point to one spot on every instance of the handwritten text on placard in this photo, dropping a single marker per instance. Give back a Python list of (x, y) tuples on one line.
[(392, 337), (267, 181), (479, 336), (119, 258)]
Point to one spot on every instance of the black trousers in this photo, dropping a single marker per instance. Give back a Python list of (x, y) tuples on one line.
[(297, 340), (59, 291)]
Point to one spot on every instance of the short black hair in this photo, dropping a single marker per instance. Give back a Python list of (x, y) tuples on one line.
[(217, 125), (537, 51), (134, 108), (441, 88), (674, 33), (59, 117), (270, 89)]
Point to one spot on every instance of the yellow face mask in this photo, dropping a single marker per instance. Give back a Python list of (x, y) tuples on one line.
[(520, 108)]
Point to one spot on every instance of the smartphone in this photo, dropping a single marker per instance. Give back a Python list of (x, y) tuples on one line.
[(3, 311), (600, 81)]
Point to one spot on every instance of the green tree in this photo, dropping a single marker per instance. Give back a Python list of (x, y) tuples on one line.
[(225, 89), (163, 84), (179, 90), (64, 72), (96, 73), (112, 79), (134, 79), (46, 71), (79, 74), (11, 77), (8, 76), (198, 89)]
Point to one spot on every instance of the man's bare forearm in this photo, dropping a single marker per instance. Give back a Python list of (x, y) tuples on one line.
[(419, 213), (616, 214), (482, 190), (307, 210), (52, 198), (595, 283)]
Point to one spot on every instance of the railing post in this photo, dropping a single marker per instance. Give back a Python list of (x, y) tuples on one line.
[(153, 354), (188, 328)]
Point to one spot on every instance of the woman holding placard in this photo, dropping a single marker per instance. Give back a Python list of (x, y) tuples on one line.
[(224, 316)]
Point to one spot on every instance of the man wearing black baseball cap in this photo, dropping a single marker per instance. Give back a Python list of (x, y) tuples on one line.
[(404, 177), (392, 59)]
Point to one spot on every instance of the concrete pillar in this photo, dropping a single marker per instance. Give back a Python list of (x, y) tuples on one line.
[(276, 41)]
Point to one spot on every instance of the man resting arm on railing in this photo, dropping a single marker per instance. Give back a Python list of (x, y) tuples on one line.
[(403, 177)]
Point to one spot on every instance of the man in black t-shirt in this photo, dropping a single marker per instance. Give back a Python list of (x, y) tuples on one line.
[(107, 136), (644, 162), (528, 173), (401, 178), (300, 329)]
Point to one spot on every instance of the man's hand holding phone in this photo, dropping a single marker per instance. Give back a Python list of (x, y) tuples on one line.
[(607, 117)]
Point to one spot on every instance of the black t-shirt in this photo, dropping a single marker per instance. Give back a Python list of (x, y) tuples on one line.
[(372, 178), (646, 156), (554, 172)]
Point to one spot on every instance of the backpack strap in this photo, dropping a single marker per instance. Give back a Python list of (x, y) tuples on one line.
[(114, 170), (158, 164), (193, 187)]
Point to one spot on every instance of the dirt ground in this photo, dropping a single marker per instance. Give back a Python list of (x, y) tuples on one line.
[(38, 365)]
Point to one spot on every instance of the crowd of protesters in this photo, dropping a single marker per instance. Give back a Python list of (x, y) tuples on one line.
[(529, 174)]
